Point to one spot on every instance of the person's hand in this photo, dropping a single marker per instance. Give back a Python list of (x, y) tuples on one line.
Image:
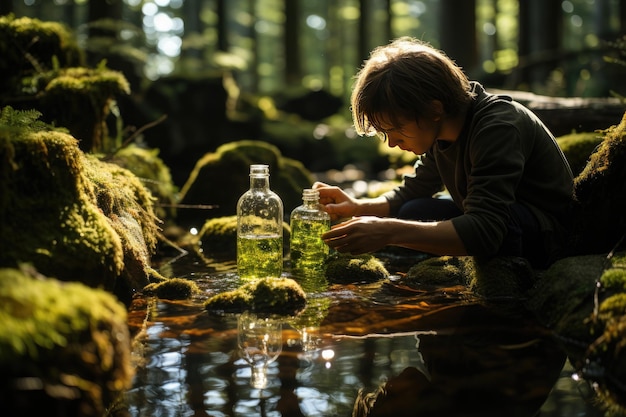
[(336, 202), (358, 235)]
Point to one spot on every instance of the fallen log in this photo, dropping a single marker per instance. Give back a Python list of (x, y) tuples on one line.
[(563, 115)]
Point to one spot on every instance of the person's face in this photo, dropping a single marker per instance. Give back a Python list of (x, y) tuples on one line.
[(412, 136)]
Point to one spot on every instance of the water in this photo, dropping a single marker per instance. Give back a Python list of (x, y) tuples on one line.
[(435, 352)]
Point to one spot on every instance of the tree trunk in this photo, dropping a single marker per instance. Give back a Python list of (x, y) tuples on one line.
[(457, 34), (293, 70), (539, 40)]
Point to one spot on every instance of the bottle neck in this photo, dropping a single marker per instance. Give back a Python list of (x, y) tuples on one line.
[(259, 182), (312, 203)]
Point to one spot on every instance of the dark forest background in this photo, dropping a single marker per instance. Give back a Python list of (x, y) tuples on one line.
[(192, 59), (550, 47)]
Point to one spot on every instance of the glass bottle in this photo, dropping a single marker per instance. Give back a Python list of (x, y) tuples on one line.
[(308, 222), (259, 228)]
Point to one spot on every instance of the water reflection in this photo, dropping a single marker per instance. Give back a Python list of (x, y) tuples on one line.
[(260, 341), (371, 350)]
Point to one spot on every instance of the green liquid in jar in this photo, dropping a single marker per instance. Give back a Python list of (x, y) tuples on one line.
[(259, 256), (308, 250)]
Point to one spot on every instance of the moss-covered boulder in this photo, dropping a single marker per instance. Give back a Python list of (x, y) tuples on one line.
[(577, 147), (347, 269), (172, 289), (282, 296), (43, 69), (48, 45), (221, 177), (600, 196), (87, 92), (68, 214), (583, 301), (64, 347), (500, 280)]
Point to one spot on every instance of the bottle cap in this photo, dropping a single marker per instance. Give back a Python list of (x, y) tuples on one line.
[(259, 170)]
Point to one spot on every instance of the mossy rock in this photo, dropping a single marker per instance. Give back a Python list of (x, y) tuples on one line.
[(500, 280), (221, 177), (282, 296), (173, 289), (600, 196), (71, 216), (64, 347), (578, 147), (55, 81), (88, 92), (583, 300), (49, 44), (347, 269), (443, 271)]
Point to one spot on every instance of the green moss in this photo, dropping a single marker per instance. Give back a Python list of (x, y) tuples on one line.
[(614, 279), (67, 336), (504, 280), (55, 222), (613, 306), (437, 271), (577, 148), (154, 175), (49, 45), (89, 93), (562, 296), (600, 196), (219, 235), (173, 289), (263, 296), (72, 216), (346, 268), (129, 208)]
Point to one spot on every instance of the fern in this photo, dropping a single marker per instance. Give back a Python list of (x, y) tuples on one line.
[(22, 119)]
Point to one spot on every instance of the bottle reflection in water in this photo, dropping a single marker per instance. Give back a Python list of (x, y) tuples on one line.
[(308, 222), (260, 341)]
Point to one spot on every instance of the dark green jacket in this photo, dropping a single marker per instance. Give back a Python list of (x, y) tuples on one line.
[(504, 154)]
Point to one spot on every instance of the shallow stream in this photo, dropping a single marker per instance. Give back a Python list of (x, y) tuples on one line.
[(384, 347)]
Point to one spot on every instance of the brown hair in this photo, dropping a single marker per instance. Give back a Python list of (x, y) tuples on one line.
[(401, 80)]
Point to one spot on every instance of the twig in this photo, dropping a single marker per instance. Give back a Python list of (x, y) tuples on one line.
[(135, 134)]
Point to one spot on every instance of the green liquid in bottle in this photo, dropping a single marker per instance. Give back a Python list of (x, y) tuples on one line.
[(308, 250), (259, 256)]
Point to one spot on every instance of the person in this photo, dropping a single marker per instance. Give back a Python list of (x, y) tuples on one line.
[(510, 187)]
